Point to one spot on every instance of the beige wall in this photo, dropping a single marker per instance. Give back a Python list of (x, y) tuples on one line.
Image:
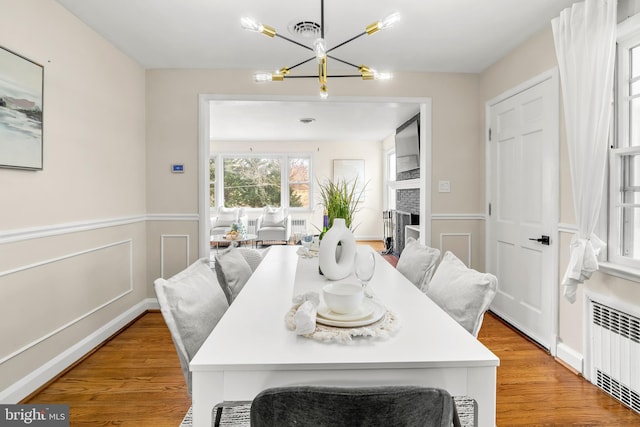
[(530, 59), (172, 135), (72, 236)]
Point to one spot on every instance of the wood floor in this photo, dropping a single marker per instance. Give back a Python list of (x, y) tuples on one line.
[(135, 380)]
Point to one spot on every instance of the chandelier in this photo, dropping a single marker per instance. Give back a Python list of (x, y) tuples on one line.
[(321, 53)]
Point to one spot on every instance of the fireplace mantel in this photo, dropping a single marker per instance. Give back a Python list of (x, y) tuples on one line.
[(407, 184)]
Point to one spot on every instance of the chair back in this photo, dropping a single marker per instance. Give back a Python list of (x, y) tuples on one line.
[(317, 406), (191, 303)]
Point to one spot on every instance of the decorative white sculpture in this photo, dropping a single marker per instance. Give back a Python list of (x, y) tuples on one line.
[(337, 265)]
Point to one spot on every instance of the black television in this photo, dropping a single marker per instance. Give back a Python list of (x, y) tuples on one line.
[(408, 145)]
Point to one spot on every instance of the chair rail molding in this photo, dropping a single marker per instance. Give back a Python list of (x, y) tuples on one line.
[(459, 216), (22, 234)]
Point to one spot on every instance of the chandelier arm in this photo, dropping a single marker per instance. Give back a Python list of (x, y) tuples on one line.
[(344, 62), (328, 77), (347, 41), (302, 63), (294, 42), (322, 19)]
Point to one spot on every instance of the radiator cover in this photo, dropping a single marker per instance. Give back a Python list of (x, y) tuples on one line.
[(615, 353)]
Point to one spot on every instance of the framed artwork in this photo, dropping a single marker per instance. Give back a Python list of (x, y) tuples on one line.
[(21, 87), (349, 170)]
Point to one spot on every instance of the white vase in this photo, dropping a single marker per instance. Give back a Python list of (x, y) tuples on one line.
[(336, 266)]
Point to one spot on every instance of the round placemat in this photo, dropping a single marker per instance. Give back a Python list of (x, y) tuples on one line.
[(383, 328)]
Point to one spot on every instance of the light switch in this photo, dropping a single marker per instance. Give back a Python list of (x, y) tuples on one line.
[(444, 187)]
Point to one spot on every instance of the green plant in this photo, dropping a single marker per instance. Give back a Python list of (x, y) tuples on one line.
[(341, 199)]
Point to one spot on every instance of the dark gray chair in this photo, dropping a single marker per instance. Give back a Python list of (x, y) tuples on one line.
[(317, 406)]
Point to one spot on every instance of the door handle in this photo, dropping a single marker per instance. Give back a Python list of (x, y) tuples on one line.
[(543, 239)]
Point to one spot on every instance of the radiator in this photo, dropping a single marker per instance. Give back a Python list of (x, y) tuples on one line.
[(615, 353), (298, 228)]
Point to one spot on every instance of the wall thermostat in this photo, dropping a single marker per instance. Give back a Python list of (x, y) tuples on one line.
[(177, 168)]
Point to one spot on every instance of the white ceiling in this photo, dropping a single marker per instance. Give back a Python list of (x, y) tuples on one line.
[(433, 35)]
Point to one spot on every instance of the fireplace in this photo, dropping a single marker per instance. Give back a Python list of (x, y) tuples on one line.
[(397, 219)]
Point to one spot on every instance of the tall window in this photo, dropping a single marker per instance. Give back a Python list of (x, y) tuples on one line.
[(299, 182), (624, 192), (256, 181)]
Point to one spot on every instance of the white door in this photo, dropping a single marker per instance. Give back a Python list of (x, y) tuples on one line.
[(523, 195)]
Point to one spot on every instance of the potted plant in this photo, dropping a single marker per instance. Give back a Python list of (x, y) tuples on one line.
[(341, 199)]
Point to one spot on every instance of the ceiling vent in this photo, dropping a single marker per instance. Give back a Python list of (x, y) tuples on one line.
[(305, 29)]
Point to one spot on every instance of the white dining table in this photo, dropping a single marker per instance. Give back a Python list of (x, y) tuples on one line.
[(251, 348)]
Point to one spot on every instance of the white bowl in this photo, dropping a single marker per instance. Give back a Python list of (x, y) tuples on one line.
[(343, 297)]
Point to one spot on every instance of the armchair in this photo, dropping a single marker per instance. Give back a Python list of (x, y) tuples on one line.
[(227, 216), (273, 225)]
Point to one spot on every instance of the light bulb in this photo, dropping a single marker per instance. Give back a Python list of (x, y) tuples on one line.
[(388, 21), (250, 24), (382, 76), (323, 92), (320, 48), (262, 77)]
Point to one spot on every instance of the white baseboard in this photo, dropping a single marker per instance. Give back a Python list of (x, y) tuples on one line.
[(36, 379), (570, 357)]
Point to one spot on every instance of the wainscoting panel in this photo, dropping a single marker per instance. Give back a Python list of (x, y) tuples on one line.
[(65, 290), (174, 254), (459, 244)]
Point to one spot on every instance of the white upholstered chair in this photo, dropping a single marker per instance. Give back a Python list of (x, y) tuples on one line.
[(191, 303), (273, 225), (465, 294), (221, 223), (417, 263)]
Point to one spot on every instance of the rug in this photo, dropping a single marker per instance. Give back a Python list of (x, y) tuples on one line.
[(236, 414)]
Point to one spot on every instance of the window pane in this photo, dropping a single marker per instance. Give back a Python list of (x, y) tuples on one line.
[(299, 170), (631, 173), (251, 182), (631, 232), (630, 235), (634, 122), (635, 61), (391, 159), (299, 195)]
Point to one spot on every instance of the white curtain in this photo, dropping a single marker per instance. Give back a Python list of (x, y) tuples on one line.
[(585, 40)]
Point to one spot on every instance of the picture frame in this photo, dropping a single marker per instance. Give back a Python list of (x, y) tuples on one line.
[(21, 112), (349, 170)]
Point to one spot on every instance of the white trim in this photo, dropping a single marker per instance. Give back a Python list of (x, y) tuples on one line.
[(553, 75), (18, 235), (426, 122), (407, 184), (204, 154), (468, 235), (570, 357), (173, 236), (173, 217), (606, 267), (83, 316), (621, 271), (36, 379), (426, 162), (567, 228), (459, 216)]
